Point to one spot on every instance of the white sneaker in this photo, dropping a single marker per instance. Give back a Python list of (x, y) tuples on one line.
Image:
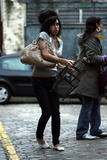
[(58, 148), (88, 137)]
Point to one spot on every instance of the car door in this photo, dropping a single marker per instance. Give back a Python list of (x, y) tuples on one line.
[(18, 75)]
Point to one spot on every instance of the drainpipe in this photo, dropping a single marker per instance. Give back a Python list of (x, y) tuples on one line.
[(80, 16)]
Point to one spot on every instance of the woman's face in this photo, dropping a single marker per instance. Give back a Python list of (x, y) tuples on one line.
[(54, 29)]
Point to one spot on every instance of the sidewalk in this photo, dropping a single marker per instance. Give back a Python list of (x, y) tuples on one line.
[(2, 153), (62, 100), (20, 121)]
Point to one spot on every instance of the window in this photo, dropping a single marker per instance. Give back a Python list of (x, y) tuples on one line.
[(13, 63)]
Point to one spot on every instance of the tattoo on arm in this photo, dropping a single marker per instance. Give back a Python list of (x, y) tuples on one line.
[(43, 44)]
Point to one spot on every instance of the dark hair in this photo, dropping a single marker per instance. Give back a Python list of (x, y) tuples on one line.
[(48, 17), (91, 26)]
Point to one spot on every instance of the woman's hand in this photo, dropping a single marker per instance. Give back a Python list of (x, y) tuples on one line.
[(70, 63), (104, 60)]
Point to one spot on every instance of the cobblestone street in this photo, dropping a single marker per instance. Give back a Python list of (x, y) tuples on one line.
[(20, 121)]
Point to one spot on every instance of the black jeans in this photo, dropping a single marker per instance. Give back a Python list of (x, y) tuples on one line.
[(49, 103)]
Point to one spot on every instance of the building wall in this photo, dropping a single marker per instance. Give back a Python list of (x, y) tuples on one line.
[(13, 15), (1, 37), (20, 24), (1, 32), (72, 13)]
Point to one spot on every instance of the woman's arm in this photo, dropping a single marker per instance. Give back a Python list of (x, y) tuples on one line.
[(45, 51)]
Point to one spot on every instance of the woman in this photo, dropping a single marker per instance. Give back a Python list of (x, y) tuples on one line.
[(43, 78), (88, 89)]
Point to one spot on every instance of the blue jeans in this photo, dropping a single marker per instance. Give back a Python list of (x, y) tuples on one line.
[(89, 114), (49, 103)]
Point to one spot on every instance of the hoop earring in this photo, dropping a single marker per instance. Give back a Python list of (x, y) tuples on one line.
[(98, 29)]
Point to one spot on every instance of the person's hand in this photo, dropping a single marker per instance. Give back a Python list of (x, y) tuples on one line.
[(104, 60), (70, 63)]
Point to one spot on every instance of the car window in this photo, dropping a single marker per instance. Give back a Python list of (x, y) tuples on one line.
[(13, 63)]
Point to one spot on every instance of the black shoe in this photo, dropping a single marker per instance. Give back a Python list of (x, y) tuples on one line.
[(102, 135)]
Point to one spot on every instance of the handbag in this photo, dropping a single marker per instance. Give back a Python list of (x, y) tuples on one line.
[(31, 55), (103, 80), (66, 82)]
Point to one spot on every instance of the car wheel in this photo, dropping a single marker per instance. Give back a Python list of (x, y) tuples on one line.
[(4, 94)]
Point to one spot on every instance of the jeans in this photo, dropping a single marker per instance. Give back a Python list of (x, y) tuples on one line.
[(89, 114), (49, 103)]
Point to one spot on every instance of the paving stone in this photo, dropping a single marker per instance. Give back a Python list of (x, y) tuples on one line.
[(2, 153), (20, 122)]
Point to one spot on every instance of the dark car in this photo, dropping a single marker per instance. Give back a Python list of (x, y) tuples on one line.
[(15, 78)]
